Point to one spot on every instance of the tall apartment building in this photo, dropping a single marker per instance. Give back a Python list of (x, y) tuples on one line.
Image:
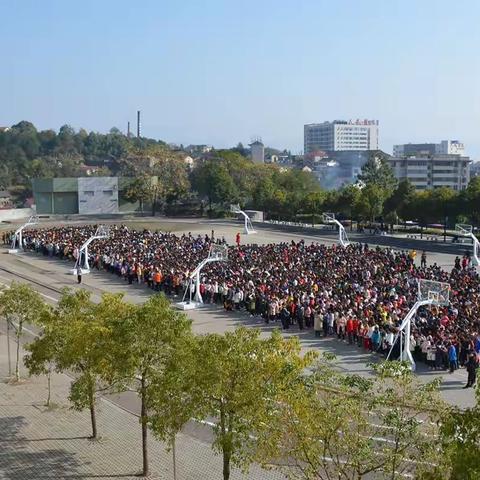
[(445, 147), (427, 171), (341, 135)]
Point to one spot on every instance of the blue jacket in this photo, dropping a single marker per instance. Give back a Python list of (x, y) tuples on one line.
[(452, 353), (375, 337)]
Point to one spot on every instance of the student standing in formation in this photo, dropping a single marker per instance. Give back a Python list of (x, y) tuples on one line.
[(79, 274), (423, 262), (471, 366)]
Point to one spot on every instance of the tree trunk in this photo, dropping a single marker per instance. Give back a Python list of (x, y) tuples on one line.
[(174, 454), (93, 416), (226, 445), (17, 361), (8, 349), (49, 384), (226, 464), (144, 428)]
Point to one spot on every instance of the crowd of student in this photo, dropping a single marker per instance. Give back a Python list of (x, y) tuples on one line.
[(359, 294)]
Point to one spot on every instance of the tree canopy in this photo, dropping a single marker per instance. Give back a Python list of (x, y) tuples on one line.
[(26, 152)]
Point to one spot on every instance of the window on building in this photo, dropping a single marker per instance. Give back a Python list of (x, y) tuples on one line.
[(88, 193), (108, 193)]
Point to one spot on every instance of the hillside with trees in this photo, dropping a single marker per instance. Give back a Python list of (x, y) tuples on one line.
[(221, 177), (27, 153)]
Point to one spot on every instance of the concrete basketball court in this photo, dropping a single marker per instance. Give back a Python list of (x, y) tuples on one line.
[(49, 276)]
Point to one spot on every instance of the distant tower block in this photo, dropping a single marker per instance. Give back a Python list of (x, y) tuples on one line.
[(138, 124), (128, 129), (257, 151)]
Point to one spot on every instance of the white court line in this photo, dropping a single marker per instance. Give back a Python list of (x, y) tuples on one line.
[(40, 293)]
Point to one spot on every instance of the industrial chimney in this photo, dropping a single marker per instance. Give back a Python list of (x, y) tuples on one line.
[(138, 123)]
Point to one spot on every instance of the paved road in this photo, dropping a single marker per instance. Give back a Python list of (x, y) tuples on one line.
[(49, 276)]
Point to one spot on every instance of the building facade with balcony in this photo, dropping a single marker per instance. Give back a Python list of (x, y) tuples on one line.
[(430, 171)]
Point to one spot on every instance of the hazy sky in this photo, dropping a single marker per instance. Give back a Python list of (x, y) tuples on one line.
[(221, 71)]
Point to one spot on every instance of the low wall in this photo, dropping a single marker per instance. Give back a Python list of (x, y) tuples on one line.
[(15, 214)]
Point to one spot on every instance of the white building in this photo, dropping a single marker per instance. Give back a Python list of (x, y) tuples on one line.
[(429, 171), (341, 135), (445, 147), (257, 151)]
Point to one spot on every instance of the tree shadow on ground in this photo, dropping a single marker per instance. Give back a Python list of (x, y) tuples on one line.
[(17, 461)]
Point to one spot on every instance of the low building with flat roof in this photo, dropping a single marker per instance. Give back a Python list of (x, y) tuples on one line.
[(83, 195)]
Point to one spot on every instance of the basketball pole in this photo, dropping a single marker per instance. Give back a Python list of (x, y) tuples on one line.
[(248, 226), (405, 328), (17, 241), (194, 278), (101, 233), (342, 233)]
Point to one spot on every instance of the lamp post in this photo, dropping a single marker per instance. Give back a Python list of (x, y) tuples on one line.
[(445, 220)]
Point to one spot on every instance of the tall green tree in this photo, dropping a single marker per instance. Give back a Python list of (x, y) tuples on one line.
[(145, 343), (41, 353), (400, 200), (459, 440), (77, 339), (346, 199), (173, 394), (20, 304), (470, 200), (161, 175), (377, 171), (241, 378), (213, 181), (369, 204), (344, 426), (313, 204)]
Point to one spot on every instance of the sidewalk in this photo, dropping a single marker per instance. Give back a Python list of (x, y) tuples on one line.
[(37, 442)]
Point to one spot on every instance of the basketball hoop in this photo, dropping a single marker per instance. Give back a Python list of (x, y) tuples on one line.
[(330, 219), (429, 292), (436, 292), (248, 227), (102, 232), (463, 228), (17, 241), (217, 253), (467, 231)]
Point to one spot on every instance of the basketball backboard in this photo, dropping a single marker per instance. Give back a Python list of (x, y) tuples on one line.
[(463, 229), (437, 292), (328, 217), (219, 252)]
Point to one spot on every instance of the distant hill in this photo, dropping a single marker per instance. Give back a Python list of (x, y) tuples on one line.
[(26, 152)]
